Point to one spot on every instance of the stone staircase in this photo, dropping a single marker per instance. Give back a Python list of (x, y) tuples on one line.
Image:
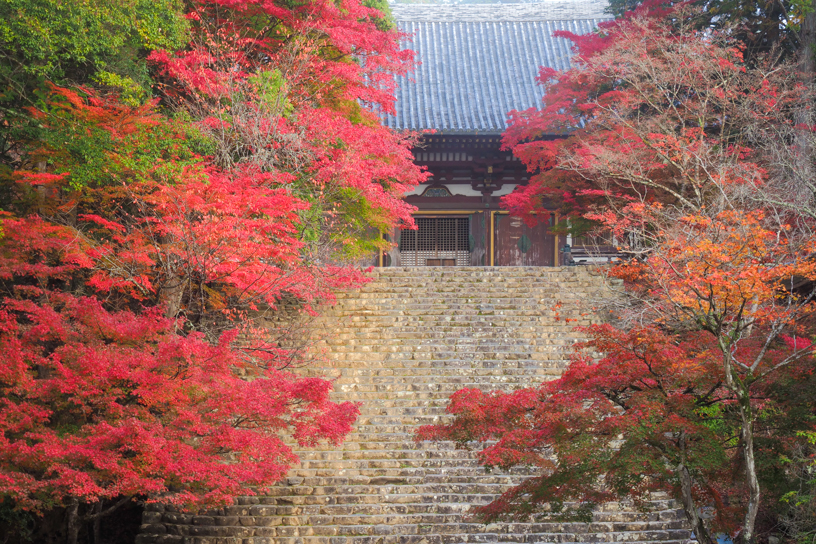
[(401, 346)]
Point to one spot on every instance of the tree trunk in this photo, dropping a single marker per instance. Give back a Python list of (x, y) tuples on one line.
[(741, 391), (802, 163), (97, 521), (689, 506), (172, 293), (747, 431), (807, 44), (72, 522)]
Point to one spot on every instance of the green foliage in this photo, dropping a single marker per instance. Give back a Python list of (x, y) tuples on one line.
[(130, 92), (77, 42), (14, 521), (58, 40), (344, 220), (71, 140), (762, 26), (272, 90), (387, 21)]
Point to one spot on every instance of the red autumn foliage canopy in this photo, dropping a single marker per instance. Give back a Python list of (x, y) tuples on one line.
[(145, 252)]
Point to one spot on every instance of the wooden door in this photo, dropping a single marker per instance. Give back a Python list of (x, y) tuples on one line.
[(518, 244)]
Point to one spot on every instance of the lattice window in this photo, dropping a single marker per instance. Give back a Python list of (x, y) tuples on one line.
[(438, 241)]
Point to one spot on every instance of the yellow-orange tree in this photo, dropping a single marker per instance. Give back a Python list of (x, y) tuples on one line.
[(696, 163)]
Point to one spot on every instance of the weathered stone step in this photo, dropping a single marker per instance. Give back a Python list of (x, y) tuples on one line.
[(456, 367), (495, 381), (413, 323), (417, 399), (443, 513), (431, 464), (407, 403), (422, 360), (658, 511), (414, 409), (392, 472), (397, 434), (434, 304), (486, 304), (456, 351), (447, 329), (422, 365), (452, 318), (405, 335), (480, 293), (389, 442), (489, 298), (478, 538), (401, 455), (499, 340), (385, 490), (458, 532), (446, 389), (452, 479), (536, 337), (521, 376), (428, 311)]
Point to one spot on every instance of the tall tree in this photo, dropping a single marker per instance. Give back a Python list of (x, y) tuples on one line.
[(762, 26)]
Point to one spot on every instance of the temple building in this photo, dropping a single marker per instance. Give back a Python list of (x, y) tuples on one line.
[(478, 62)]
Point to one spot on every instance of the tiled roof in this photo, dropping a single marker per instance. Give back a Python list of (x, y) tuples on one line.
[(479, 61)]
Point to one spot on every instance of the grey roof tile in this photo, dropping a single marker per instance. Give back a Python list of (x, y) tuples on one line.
[(480, 61)]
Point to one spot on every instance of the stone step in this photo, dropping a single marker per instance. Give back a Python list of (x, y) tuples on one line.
[(435, 382), (429, 479), (478, 293), (409, 335), (500, 340), (456, 531), (362, 512), (448, 312), (362, 524), (401, 455), (385, 490), (430, 360), (369, 471), (378, 462), (522, 376), (451, 319), (386, 446), (456, 367), (421, 366), (456, 352), (434, 305), (480, 538), (444, 388), (657, 510)]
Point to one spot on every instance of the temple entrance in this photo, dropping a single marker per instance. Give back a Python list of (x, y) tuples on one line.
[(438, 241), (517, 244)]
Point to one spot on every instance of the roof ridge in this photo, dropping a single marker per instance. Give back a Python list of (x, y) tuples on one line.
[(544, 10)]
